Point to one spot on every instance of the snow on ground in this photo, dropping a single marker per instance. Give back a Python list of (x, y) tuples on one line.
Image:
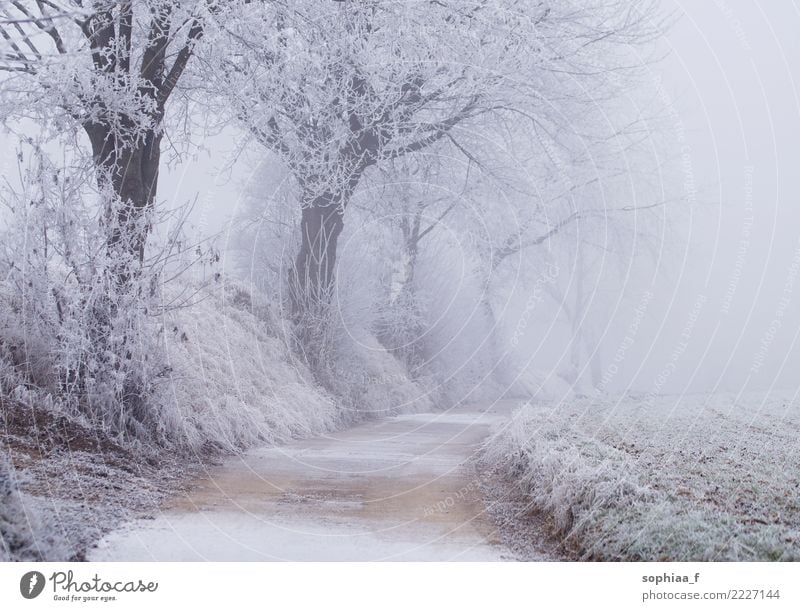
[(69, 484), (700, 477), (402, 488)]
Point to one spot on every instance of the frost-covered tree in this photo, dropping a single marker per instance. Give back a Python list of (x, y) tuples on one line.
[(335, 88), (107, 69), (91, 79)]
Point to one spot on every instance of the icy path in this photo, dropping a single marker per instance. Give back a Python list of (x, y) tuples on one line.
[(397, 489)]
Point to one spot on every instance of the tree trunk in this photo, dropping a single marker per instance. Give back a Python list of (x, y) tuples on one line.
[(313, 278), (127, 173), (400, 330), (131, 173)]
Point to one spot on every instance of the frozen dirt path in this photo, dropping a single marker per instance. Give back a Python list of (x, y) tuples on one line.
[(397, 489)]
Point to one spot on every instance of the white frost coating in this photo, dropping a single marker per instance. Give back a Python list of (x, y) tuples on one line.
[(233, 382), (702, 477)]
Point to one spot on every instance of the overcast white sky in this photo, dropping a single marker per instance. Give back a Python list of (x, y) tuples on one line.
[(734, 72)]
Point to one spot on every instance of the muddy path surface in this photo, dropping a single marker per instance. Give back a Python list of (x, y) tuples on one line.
[(403, 488)]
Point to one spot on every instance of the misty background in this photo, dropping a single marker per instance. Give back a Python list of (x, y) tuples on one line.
[(730, 82)]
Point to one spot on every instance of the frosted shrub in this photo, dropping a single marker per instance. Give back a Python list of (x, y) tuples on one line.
[(232, 381), (680, 479), (71, 326)]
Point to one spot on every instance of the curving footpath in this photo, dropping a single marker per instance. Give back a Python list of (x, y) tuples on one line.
[(402, 488)]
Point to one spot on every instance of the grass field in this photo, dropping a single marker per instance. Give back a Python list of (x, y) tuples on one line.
[(696, 477)]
